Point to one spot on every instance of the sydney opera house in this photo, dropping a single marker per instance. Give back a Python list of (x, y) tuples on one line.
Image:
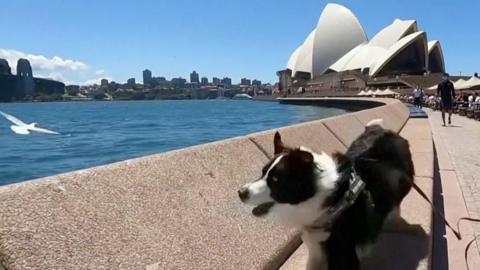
[(338, 54)]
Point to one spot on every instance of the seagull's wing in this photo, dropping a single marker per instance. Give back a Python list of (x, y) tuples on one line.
[(19, 130), (43, 130), (13, 119)]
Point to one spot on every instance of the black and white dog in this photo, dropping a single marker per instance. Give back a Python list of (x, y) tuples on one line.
[(340, 203)]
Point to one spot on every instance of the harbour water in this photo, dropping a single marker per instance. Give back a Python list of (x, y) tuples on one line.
[(95, 133)]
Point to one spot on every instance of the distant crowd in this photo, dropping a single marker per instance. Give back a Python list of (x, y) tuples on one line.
[(464, 99), (466, 103)]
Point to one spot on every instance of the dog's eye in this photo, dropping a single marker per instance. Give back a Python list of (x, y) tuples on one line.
[(274, 179)]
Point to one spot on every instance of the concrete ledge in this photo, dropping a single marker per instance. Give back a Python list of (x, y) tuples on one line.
[(176, 210), (346, 128), (179, 209), (312, 134)]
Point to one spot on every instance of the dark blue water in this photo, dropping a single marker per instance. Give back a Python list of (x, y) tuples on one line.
[(94, 133)]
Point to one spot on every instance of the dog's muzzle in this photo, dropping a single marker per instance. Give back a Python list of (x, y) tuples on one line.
[(255, 194)]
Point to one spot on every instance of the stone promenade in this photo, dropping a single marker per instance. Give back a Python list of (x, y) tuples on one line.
[(462, 143)]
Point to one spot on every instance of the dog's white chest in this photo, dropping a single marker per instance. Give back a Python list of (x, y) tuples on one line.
[(313, 240)]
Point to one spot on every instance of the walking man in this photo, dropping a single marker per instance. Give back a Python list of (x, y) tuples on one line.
[(417, 97), (446, 91)]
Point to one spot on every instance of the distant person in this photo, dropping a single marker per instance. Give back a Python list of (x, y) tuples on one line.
[(431, 101), (477, 98), (446, 91), (470, 100), (417, 97), (422, 97)]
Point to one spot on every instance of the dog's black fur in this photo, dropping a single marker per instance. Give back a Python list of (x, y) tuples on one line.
[(383, 161)]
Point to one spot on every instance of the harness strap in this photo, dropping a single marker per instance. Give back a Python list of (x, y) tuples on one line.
[(356, 186)]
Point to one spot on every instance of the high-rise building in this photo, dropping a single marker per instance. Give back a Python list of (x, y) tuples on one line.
[(131, 82), (104, 84), (245, 81), (194, 77), (178, 82), (204, 80), (257, 83), (216, 81), (147, 77), (226, 81)]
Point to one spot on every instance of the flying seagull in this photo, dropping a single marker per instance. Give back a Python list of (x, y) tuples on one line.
[(20, 127)]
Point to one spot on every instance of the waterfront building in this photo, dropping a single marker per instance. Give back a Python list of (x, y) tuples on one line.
[(338, 54), (226, 81), (216, 81), (131, 83), (178, 82), (204, 81), (113, 86), (194, 77), (147, 77), (245, 81), (257, 83), (104, 84)]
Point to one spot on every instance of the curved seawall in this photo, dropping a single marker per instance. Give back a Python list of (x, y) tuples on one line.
[(175, 210)]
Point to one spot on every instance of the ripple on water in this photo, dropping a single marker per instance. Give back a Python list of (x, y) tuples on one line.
[(95, 133)]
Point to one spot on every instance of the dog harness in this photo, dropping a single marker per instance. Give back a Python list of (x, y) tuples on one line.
[(356, 186)]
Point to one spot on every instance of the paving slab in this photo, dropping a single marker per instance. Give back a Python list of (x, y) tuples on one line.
[(399, 251), (392, 119), (177, 210), (411, 253), (420, 145), (414, 210), (458, 148), (423, 163), (417, 129), (454, 208)]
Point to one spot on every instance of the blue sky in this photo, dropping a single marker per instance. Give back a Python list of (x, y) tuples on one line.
[(81, 41)]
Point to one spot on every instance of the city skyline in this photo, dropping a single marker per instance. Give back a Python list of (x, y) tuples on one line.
[(247, 40)]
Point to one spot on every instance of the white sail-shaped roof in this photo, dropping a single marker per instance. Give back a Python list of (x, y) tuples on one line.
[(339, 43), (293, 59), (391, 34), (304, 58), (435, 56), (338, 31), (379, 50), (397, 48)]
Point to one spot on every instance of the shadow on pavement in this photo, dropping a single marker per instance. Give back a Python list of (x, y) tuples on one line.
[(399, 251)]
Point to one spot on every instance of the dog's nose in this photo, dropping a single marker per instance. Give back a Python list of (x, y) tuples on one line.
[(243, 194)]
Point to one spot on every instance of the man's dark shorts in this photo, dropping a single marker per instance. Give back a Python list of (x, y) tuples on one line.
[(447, 104)]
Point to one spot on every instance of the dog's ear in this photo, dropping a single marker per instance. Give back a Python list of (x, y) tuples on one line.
[(339, 158), (277, 144)]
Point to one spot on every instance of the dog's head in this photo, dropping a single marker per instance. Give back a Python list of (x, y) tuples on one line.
[(292, 184)]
